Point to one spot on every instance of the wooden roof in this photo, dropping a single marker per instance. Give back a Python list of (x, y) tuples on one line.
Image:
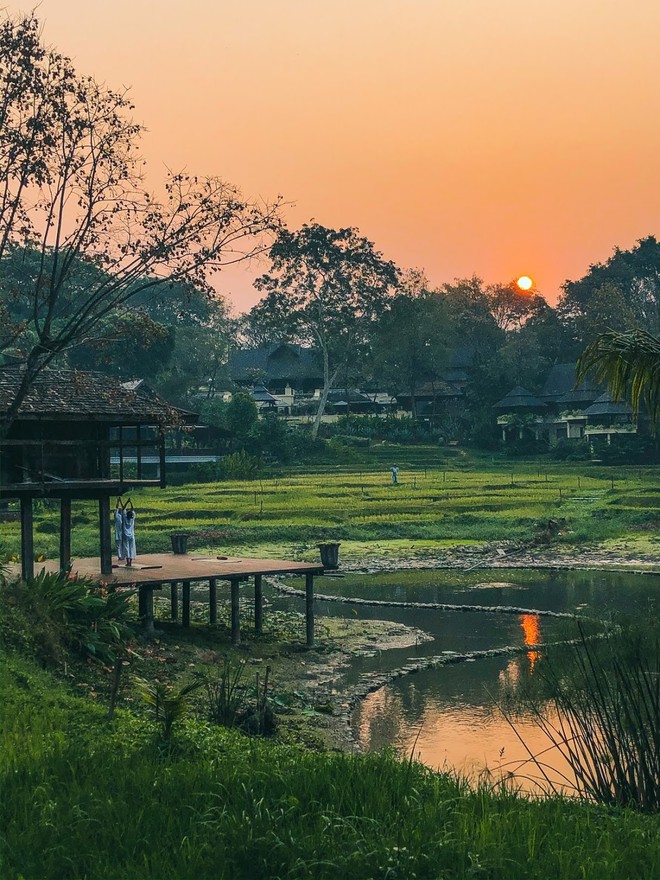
[(519, 398), (63, 395), (605, 405)]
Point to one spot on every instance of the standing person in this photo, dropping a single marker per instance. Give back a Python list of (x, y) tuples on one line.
[(395, 475), (129, 532), (119, 528)]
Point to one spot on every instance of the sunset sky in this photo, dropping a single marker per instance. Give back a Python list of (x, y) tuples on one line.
[(461, 136)]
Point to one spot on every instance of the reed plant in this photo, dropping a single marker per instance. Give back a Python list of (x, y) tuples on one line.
[(603, 716)]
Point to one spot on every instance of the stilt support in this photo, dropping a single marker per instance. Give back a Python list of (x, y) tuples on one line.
[(213, 600), (235, 613), (185, 613), (27, 539), (258, 604), (104, 535), (309, 608), (65, 534)]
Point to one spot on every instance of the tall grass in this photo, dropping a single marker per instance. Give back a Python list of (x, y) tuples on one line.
[(604, 716)]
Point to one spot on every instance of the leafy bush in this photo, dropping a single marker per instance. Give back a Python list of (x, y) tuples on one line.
[(627, 450), (61, 613), (166, 705), (240, 466), (388, 427), (571, 450)]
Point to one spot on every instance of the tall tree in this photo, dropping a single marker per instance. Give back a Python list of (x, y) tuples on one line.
[(73, 202), (411, 342), (324, 289), (621, 294)]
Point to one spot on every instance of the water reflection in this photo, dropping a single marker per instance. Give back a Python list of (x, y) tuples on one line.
[(447, 725), (531, 627), (448, 716)]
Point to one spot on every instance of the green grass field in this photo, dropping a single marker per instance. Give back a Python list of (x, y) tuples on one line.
[(87, 798), (84, 797), (443, 497)]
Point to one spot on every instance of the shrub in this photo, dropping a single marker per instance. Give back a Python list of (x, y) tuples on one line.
[(240, 466), (68, 614)]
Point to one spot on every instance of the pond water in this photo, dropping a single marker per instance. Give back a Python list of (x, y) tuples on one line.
[(449, 716)]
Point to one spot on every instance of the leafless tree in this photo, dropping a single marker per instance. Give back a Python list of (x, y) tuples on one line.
[(80, 234)]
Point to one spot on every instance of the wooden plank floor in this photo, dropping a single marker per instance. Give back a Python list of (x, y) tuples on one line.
[(170, 567)]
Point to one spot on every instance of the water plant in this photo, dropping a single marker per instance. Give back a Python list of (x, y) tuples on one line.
[(603, 716)]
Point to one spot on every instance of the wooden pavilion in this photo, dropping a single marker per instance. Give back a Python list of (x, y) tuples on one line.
[(61, 442), (73, 437)]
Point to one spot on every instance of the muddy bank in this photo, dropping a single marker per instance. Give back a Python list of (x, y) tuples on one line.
[(511, 554)]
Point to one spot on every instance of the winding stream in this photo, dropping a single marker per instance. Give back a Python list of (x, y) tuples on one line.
[(448, 716)]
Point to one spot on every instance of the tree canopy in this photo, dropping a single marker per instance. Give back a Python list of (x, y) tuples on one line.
[(76, 215), (325, 288)]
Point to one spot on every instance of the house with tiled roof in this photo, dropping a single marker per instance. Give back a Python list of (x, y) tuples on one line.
[(564, 410), (62, 440)]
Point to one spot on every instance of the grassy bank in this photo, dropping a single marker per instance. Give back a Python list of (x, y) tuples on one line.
[(87, 798), (443, 498)]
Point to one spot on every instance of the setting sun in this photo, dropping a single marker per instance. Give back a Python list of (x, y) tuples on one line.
[(525, 282)]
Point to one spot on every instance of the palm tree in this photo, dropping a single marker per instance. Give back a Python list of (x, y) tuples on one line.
[(629, 362)]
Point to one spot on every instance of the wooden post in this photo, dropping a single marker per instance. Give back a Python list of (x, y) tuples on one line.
[(138, 450), (174, 599), (142, 594), (65, 533), (185, 613), (104, 534), (121, 455), (149, 630), (27, 539), (235, 613), (146, 607), (213, 600), (162, 466), (309, 608), (258, 604)]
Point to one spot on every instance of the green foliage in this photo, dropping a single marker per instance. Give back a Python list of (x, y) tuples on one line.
[(166, 705), (393, 429), (83, 798), (53, 613), (240, 466), (571, 450), (225, 692)]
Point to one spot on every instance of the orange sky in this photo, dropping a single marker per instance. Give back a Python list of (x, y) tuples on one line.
[(461, 136)]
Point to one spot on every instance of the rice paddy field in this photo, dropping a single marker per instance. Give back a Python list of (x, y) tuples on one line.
[(444, 497)]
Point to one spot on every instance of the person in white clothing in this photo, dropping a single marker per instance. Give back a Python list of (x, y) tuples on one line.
[(119, 529), (129, 533)]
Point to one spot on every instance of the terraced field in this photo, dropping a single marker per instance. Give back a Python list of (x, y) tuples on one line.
[(443, 497)]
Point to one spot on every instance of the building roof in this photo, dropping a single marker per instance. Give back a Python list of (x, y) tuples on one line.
[(560, 386), (581, 396), (262, 395), (606, 406), (62, 395), (560, 380), (519, 398), (277, 361)]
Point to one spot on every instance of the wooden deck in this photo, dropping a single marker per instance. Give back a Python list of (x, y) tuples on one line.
[(152, 571)]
